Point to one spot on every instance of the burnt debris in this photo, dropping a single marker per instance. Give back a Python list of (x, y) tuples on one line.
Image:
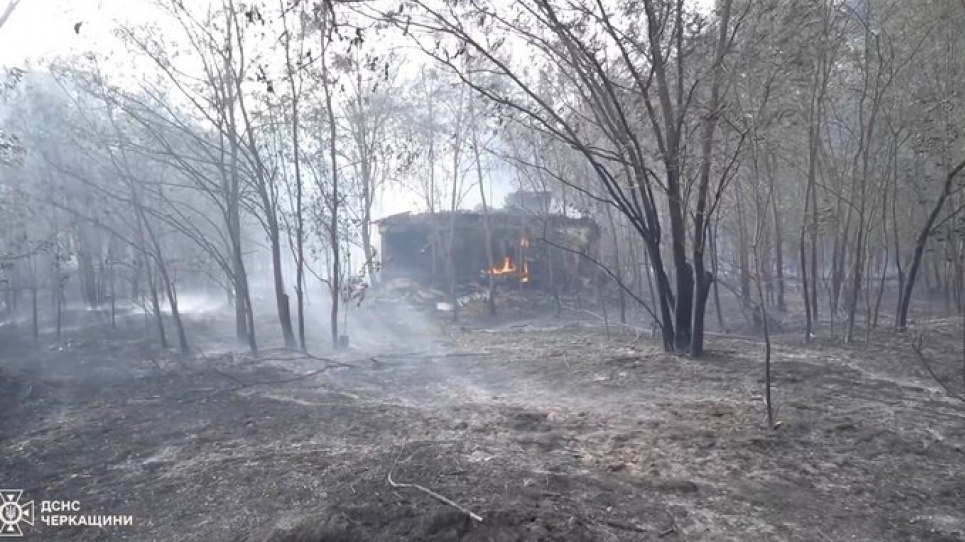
[(529, 250)]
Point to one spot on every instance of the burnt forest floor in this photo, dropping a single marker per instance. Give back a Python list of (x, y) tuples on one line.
[(564, 432)]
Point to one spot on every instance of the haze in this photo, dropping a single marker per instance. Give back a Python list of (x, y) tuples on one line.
[(428, 270)]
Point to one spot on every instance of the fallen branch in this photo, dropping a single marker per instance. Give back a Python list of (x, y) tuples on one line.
[(652, 331), (378, 360), (459, 355), (625, 526), (242, 385), (404, 354), (269, 355), (427, 491), (266, 355), (755, 340), (672, 529)]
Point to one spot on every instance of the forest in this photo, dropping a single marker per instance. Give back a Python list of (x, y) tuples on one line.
[(721, 253)]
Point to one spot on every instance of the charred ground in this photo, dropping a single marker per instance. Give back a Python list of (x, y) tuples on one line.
[(549, 432)]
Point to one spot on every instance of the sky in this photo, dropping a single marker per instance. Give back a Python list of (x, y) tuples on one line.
[(46, 29)]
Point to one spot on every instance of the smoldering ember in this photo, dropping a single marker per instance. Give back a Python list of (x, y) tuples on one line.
[(437, 270)]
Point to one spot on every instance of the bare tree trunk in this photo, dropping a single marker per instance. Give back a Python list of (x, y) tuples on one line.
[(743, 248), (702, 277), (920, 243), (365, 128), (896, 238), (949, 286), (856, 273), (767, 357), (959, 276), (678, 329), (487, 231), (760, 250), (335, 276), (867, 135), (814, 250), (778, 251), (281, 298), (804, 274), (886, 193), (432, 153), (148, 234), (58, 282), (554, 280), (636, 267), (262, 186), (156, 305), (112, 278), (299, 253), (715, 257), (766, 265), (450, 245), (809, 269), (618, 270), (838, 256), (33, 296), (881, 288), (175, 313), (939, 281), (665, 296), (297, 160), (86, 273), (244, 324), (239, 276)]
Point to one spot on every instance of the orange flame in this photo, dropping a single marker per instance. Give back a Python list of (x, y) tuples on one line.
[(507, 267)]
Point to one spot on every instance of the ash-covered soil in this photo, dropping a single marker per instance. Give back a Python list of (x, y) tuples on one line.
[(565, 433)]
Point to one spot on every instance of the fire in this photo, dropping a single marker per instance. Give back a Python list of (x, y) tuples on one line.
[(507, 267)]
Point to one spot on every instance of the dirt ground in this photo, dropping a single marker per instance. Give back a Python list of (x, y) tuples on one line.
[(548, 431)]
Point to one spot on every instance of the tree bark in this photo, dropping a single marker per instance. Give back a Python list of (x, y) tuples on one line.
[(920, 243), (487, 230), (703, 278), (335, 275)]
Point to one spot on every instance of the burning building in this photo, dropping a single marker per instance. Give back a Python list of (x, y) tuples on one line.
[(535, 250)]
